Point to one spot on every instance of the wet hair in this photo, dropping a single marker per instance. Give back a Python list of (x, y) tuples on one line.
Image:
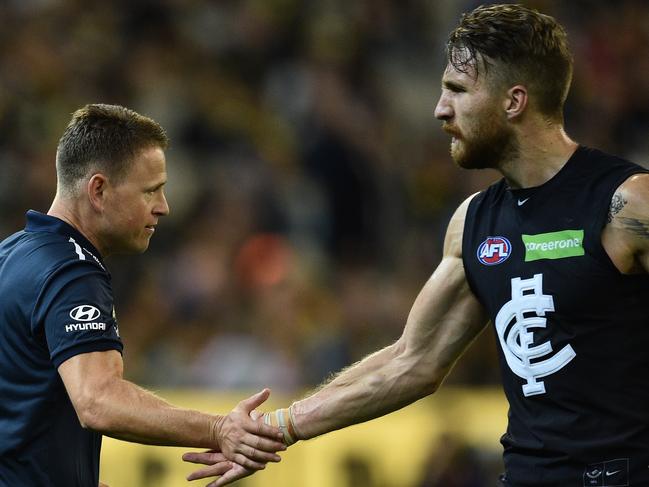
[(515, 44), (103, 138)]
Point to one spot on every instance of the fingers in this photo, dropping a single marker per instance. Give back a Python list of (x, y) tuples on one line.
[(253, 458), (256, 425), (254, 401), (219, 468), (258, 455), (247, 462), (260, 428), (204, 458), (235, 473), (256, 443), (260, 448), (216, 461)]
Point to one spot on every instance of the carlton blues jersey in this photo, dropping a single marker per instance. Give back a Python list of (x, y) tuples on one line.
[(573, 331), (55, 302)]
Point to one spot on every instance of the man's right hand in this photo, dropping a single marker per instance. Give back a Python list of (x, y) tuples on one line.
[(218, 466), (247, 442)]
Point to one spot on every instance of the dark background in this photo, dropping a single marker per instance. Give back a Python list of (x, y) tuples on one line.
[(310, 185)]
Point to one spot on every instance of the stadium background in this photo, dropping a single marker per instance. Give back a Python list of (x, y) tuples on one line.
[(310, 187)]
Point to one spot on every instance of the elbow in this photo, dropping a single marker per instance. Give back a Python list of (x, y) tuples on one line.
[(426, 372), (429, 384), (409, 373), (423, 377), (434, 386), (91, 413), (436, 373), (422, 383)]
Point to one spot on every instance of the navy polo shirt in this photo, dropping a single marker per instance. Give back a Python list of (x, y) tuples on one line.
[(56, 302)]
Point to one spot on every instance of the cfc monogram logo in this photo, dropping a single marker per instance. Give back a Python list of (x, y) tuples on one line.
[(527, 360)]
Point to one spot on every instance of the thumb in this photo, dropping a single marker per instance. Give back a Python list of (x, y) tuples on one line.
[(254, 401)]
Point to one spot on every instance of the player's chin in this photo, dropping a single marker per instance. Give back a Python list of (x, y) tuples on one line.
[(460, 158), (459, 154), (469, 160), (144, 247), (141, 245)]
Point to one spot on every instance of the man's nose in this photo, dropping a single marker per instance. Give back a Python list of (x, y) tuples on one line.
[(162, 208), (443, 109)]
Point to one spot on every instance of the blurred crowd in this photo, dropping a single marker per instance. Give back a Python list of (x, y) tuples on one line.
[(309, 183)]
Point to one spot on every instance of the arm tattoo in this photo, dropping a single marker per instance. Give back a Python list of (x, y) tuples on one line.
[(635, 226), (617, 203)]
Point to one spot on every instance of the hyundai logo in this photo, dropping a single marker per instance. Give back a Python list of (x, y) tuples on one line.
[(85, 312)]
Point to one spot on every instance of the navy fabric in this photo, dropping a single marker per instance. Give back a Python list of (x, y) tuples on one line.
[(56, 302), (572, 330)]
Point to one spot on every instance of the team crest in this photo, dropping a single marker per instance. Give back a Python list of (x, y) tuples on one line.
[(494, 250)]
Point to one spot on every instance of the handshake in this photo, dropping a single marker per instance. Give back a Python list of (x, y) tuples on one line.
[(246, 440)]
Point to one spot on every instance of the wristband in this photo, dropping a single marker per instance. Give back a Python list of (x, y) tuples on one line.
[(283, 419)]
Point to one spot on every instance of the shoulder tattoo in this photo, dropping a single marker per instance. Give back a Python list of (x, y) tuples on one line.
[(617, 203), (635, 226)]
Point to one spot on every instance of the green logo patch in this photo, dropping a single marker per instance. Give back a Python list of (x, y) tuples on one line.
[(554, 245)]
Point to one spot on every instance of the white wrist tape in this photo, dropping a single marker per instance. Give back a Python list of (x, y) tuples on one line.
[(283, 419)]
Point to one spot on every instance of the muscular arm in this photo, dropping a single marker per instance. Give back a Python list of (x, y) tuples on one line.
[(107, 403), (626, 235), (443, 321)]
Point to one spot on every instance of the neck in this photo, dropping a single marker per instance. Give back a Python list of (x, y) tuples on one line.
[(70, 211), (542, 151)]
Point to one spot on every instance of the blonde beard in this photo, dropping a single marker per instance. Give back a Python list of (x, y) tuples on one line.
[(485, 149)]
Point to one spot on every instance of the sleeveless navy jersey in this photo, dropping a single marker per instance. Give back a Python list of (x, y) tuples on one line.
[(55, 302), (573, 331)]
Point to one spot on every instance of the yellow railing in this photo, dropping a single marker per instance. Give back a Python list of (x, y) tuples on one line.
[(393, 449)]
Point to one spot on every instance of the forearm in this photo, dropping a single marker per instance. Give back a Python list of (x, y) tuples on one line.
[(443, 321), (107, 403), (381, 383), (126, 411)]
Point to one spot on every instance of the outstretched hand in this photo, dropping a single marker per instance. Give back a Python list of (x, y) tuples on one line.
[(247, 442), (217, 466), (217, 463)]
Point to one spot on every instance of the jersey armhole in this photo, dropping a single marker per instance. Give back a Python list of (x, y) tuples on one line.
[(468, 253), (600, 220)]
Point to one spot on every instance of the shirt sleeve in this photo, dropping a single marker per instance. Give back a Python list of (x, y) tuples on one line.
[(77, 314)]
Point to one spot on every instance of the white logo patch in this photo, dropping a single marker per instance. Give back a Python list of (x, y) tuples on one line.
[(517, 345), (85, 312), (522, 202)]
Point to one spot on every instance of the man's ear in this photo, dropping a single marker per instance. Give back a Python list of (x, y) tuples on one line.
[(516, 101), (96, 189)]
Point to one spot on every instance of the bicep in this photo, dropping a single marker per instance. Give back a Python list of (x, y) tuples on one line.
[(445, 318), (88, 375), (626, 236)]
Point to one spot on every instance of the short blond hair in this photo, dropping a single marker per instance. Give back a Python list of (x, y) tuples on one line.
[(104, 137), (516, 44)]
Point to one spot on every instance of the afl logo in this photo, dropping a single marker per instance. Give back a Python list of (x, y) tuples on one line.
[(85, 312), (494, 250)]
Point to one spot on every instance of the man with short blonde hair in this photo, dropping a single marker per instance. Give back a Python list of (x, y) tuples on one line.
[(61, 369)]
